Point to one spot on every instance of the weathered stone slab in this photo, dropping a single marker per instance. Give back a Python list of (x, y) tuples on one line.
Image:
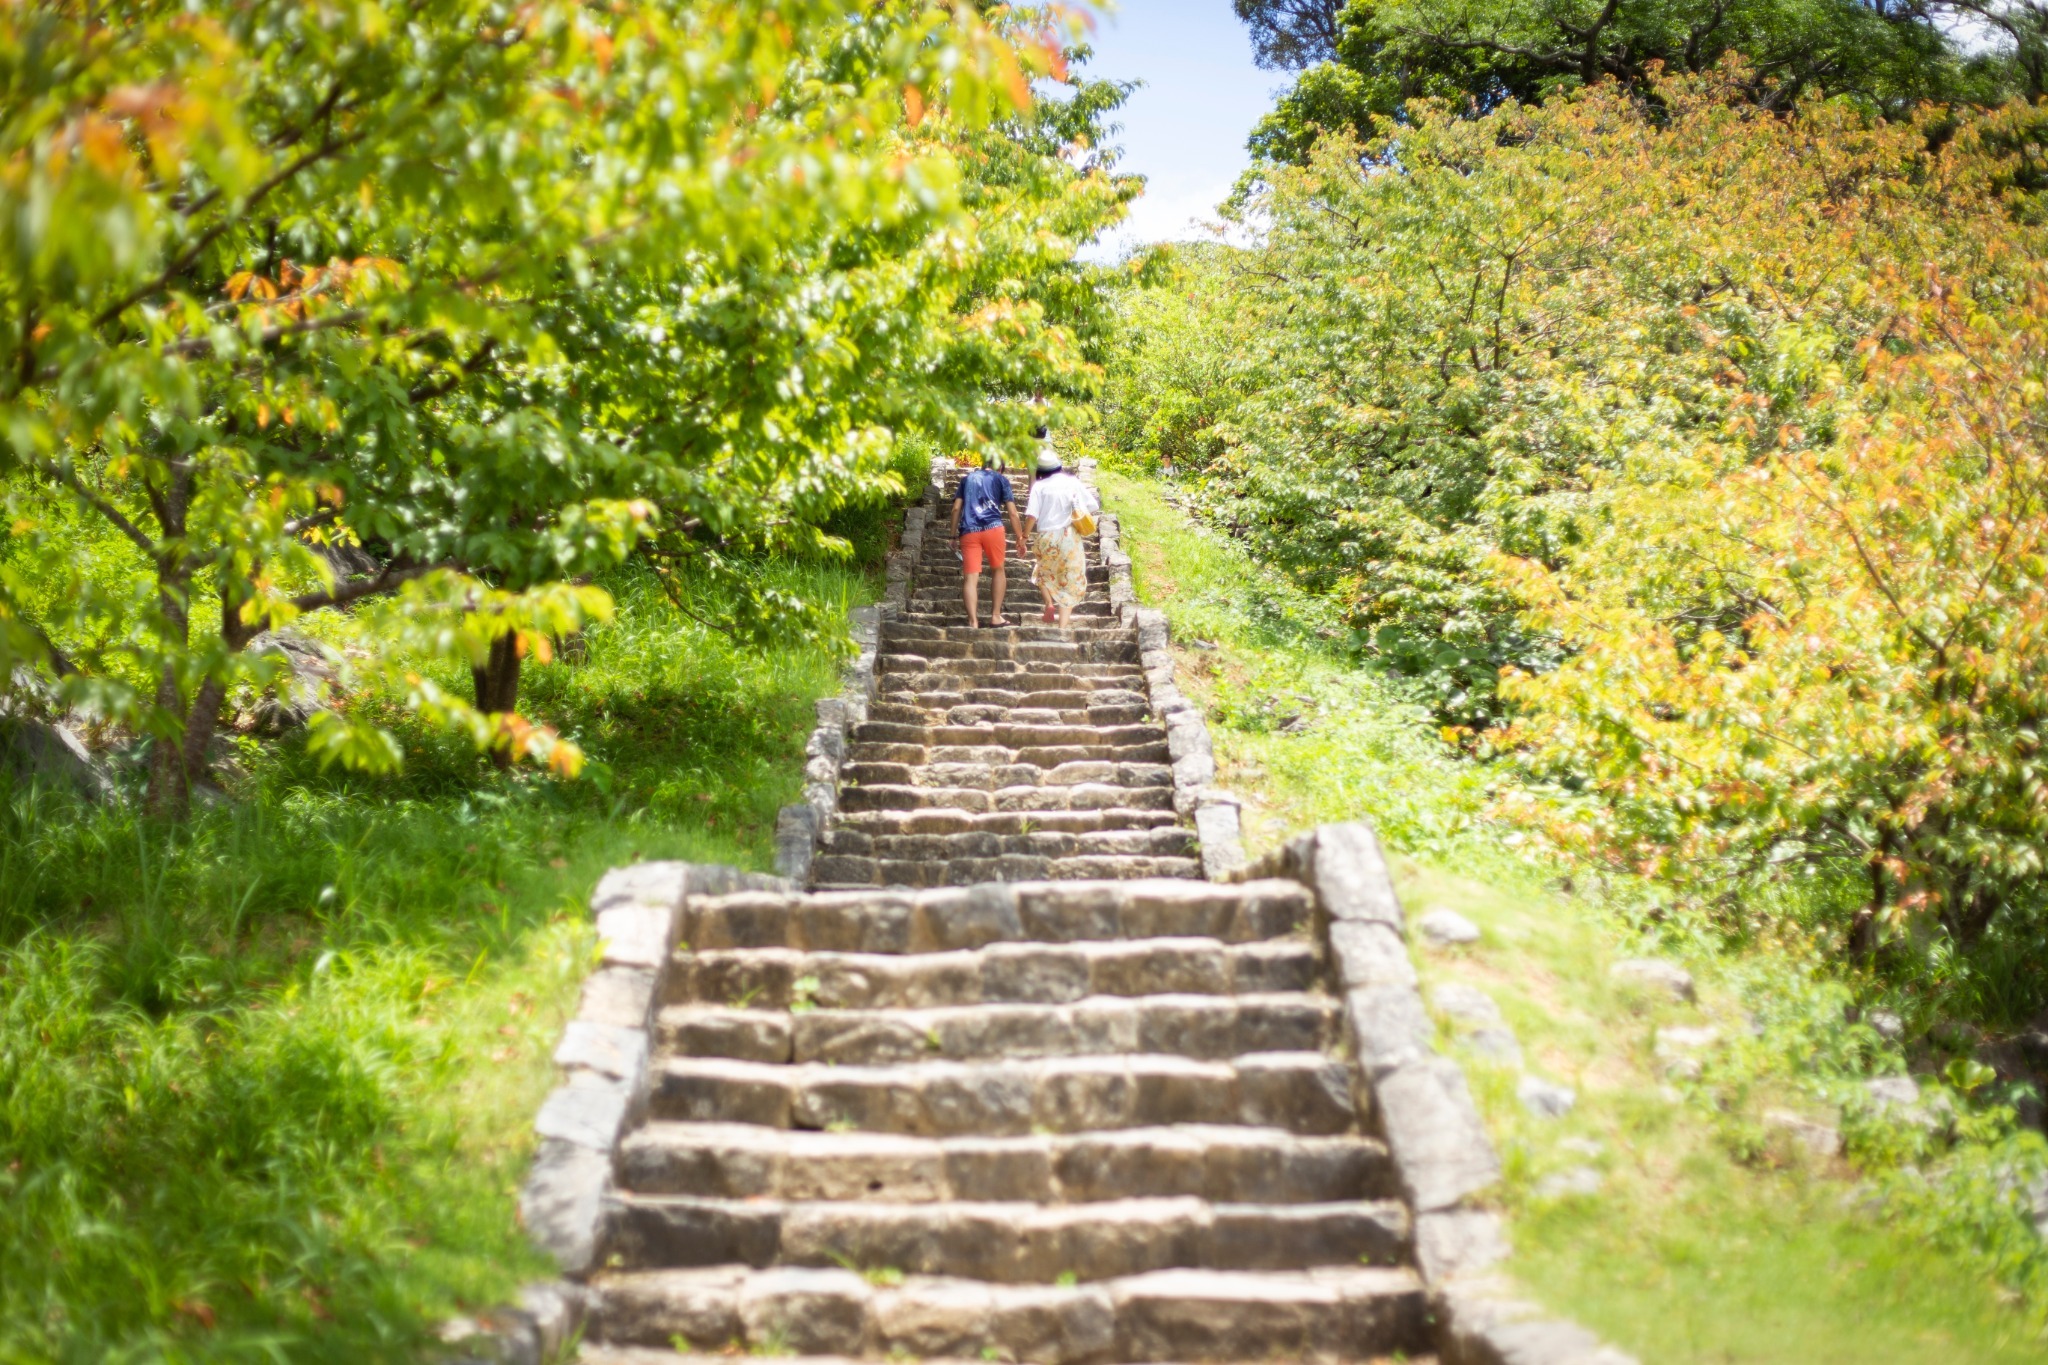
[(1433, 1129)]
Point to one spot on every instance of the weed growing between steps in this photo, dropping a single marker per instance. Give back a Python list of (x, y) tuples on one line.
[(1708, 1235), (267, 1080)]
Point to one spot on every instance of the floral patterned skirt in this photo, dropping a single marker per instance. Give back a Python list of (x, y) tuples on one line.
[(1062, 566)]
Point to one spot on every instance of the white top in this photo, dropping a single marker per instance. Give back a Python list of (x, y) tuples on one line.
[(1054, 500)]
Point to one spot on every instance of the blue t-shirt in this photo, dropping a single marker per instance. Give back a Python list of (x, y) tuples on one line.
[(983, 496)]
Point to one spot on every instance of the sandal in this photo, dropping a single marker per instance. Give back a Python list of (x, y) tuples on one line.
[(999, 623)]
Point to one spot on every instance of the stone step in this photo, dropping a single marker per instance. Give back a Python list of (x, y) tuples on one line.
[(1170, 841), (1226, 1164), (1020, 604), (1016, 688), (1330, 1313), (1004, 735), (1020, 973), (910, 631), (976, 916), (596, 1353), (941, 674), (1008, 1242), (947, 711), (903, 706), (1000, 755), (840, 872), (944, 821), (872, 764), (1101, 648), (1303, 1092), (1046, 797), (1204, 1026)]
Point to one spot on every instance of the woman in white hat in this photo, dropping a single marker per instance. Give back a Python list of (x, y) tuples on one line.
[(1058, 499)]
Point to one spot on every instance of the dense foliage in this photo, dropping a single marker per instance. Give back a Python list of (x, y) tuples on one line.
[(433, 310), (1717, 429), (1362, 61)]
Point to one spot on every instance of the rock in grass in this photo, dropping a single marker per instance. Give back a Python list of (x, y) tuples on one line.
[(1465, 1004), (1818, 1138), (1544, 1099), (50, 756), (1573, 1180), (1678, 1050), (1899, 1098), (1656, 974), (1497, 1043), (1442, 928), (305, 683), (1888, 1025)]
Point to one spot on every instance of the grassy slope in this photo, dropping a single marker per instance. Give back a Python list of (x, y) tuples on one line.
[(266, 1082), (1686, 1254)]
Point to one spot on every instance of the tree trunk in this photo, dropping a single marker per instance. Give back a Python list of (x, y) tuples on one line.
[(170, 788), (497, 687)]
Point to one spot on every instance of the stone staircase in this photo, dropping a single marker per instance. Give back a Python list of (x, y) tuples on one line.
[(1004, 754), (1054, 1121), (1009, 1083)]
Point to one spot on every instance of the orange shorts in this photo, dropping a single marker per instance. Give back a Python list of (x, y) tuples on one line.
[(975, 544)]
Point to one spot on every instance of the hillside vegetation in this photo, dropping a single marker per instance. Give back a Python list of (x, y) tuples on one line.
[(439, 445), (1668, 1212), (1689, 457), (1636, 500)]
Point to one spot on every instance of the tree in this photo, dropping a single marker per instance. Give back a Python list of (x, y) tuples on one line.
[(1289, 35), (1709, 435), (489, 291), (2020, 27), (1475, 54)]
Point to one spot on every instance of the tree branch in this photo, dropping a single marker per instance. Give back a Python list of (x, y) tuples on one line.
[(69, 478), (393, 577), (207, 238), (426, 392)]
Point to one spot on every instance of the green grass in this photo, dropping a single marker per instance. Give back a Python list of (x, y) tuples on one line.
[(267, 1079), (1710, 1240)]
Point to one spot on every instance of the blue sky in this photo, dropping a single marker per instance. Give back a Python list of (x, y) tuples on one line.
[(1185, 130)]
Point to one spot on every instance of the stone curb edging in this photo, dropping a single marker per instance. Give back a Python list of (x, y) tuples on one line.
[(1425, 1110), (603, 1057), (1215, 811)]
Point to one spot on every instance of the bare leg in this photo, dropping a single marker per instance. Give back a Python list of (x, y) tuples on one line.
[(1066, 617), (998, 590), (972, 592)]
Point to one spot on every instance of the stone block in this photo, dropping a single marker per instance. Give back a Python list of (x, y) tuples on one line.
[(588, 1110), (562, 1203), (1389, 1027), (1302, 1093), (636, 935), (620, 997), (803, 1312), (655, 1308), (934, 1319), (1045, 1323), (1349, 875), (967, 917), (1459, 1242), (1368, 953), (1216, 825), (1483, 1324), (1433, 1129), (619, 1054), (660, 885)]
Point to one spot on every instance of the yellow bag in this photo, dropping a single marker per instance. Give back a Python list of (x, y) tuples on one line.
[(1084, 522)]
